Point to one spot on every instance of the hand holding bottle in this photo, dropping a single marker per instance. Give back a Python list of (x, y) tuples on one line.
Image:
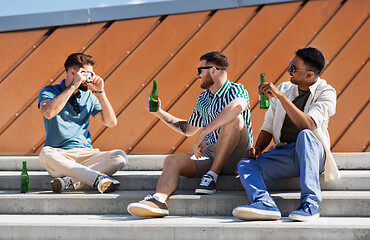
[(264, 99), (153, 99), (269, 89), (147, 106)]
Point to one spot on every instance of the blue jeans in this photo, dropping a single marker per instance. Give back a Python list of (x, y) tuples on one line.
[(304, 158)]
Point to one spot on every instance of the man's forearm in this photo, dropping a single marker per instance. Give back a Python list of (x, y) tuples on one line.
[(263, 140), (179, 125), (299, 118), (55, 105), (109, 116)]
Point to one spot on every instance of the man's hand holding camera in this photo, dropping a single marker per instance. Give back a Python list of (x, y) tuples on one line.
[(94, 82), (78, 78)]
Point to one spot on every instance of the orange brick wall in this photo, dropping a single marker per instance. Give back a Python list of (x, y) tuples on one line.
[(131, 53)]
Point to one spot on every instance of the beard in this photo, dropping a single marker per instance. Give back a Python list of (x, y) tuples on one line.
[(207, 81), (83, 87), (291, 78)]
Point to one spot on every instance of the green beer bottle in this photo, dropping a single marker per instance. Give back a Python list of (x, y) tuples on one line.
[(24, 178), (153, 99), (264, 100)]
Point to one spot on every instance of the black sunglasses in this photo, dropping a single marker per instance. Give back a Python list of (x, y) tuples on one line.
[(75, 105), (293, 69), (206, 67)]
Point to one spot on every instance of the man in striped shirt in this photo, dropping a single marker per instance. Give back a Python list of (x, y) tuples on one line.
[(223, 111)]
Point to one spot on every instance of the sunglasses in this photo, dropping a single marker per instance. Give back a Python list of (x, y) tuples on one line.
[(75, 104), (206, 67), (293, 69)]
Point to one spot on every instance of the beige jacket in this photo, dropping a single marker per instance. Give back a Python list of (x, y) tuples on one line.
[(320, 106)]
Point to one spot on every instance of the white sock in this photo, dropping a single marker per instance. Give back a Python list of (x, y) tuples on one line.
[(159, 198), (213, 174)]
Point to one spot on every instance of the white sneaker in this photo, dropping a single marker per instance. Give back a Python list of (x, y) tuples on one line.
[(107, 184), (58, 185), (149, 207)]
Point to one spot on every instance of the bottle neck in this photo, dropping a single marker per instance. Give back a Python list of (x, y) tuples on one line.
[(262, 78), (154, 85), (24, 169)]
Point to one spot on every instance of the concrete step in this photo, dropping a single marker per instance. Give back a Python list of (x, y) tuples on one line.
[(173, 227), (345, 161), (181, 203), (135, 162), (147, 180)]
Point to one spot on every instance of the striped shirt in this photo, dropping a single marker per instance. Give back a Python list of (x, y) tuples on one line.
[(210, 105)]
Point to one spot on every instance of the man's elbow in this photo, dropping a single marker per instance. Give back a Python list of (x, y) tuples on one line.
[(48, 115), (188, 134), (310, 126), (240, 104), (111, 123)]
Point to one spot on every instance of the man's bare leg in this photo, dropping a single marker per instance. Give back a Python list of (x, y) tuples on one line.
[(230, 135), (155, 206), (174, 166)]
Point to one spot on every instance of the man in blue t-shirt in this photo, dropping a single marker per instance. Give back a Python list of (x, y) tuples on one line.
[(66, 108)]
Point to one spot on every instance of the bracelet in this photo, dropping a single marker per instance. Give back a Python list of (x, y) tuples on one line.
[(98, 91)]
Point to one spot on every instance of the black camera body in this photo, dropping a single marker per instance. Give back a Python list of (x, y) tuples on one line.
[(89, 77)]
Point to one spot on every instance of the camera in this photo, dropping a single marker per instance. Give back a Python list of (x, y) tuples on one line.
[(89, 77)]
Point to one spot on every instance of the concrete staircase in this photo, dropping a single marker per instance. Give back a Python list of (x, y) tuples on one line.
[(41, 214)]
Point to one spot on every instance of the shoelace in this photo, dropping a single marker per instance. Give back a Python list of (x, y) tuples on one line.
[(148, 197), (206, 180), (68, 182)]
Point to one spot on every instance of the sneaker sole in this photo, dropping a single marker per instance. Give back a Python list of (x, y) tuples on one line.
[(112, 187), (56, 186), (301, 218), (204, 191), (108, 187), (255, 214), (140, 210)]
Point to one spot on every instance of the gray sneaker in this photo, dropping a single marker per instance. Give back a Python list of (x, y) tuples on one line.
[(149, 207), (207, 185)]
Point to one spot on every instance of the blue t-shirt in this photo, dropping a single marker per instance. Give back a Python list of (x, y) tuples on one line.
[(69, 128)]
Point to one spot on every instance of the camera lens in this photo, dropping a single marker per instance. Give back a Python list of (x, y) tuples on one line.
[(88, 77)]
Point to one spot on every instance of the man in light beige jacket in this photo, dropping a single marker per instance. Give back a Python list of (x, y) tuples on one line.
[(297, 121)]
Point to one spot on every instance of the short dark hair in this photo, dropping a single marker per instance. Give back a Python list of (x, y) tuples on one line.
[(216, 58), (313, 58), (79, 60)]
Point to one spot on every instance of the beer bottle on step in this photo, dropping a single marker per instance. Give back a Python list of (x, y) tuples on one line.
[(264, 100), (153, 99), (24, 178)]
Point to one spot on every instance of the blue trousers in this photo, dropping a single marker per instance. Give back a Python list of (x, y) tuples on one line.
[(304, 158)]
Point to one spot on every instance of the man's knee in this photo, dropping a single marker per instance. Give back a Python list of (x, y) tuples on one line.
[(180, 163), (45, 155), (306, 134), (171, 162), (307, 138), (46, 151), (245, 164), (236, 124), (120, 158)]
